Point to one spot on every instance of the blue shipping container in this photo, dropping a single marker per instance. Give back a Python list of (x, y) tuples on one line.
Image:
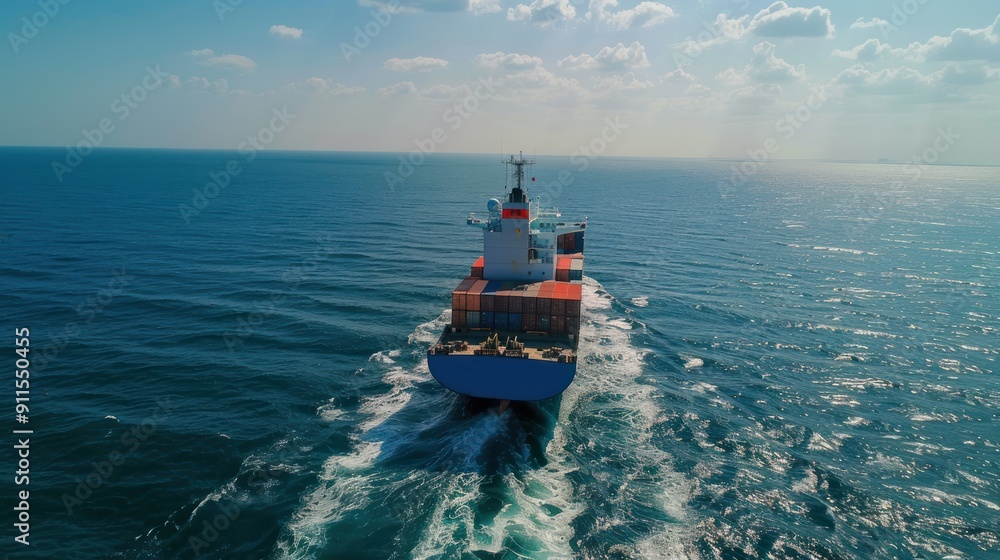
[(472, 319), (514, 321), (500, 321), (486, 320)]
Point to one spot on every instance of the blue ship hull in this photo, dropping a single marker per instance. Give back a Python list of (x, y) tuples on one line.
[(501, 378)]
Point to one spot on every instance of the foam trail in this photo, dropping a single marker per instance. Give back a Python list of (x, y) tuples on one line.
[(541, 505), (345, 481), (614, 367)]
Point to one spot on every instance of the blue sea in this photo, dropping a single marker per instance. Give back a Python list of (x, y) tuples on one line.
[(796, 363)]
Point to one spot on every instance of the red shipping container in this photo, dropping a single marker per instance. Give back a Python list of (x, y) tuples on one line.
[(562, 275), (557, 324), (458, 319), (477, 267), (575, 291)]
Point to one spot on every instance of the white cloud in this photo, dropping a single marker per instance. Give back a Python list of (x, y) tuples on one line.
[(646, 14), (203, 84), (778, 20), (869, 51), (765, 67), (479, 7), (617, 58), (781, 20), (397, 6), (962, 44), (541, 87), (969, 74), (858, 80), (233, 61), (401, 88), (678, 77), (874, 22), (697, 90), (731, 76), (498, 60), (625, 82), (321, 85), (285, 31), (543, 12), (761, 94), (416, 64)]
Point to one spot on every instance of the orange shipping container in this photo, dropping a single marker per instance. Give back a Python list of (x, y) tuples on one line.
[(473, 296)]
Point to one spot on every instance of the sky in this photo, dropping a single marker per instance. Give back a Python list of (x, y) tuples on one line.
[(855, 80)]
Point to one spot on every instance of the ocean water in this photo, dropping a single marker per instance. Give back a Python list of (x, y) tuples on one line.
[(799, 366)]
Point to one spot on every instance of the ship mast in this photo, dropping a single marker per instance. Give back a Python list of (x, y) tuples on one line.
[(517, 195)]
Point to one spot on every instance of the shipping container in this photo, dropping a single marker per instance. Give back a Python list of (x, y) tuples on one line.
[(472, 319), (573, 325), (500, 302), (474, 295), (529, 322), (543, 323), (486, 302), (562, 275), (560, 243), (557, 324), (458, 319), (544, 306), (529, 305), (559, 307), (500, 321), (579, 240), (458, 299), (514, 321), (570, 244), (572, 308), (486, 320), (477, 267), (515, 302)]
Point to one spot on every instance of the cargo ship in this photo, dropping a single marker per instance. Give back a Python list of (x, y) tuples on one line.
[(515, 320)]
